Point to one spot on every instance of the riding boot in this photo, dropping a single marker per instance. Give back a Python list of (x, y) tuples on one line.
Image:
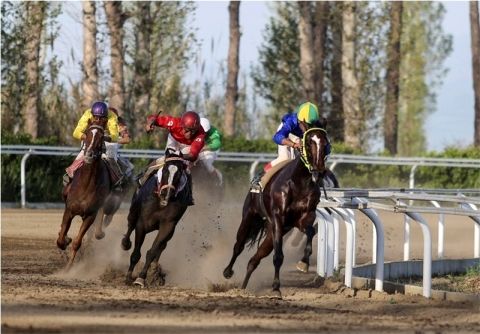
[(190, 190), (117, 174)]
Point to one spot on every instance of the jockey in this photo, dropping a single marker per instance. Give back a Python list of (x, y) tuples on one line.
[(98, 111), (290, 133), (208, 155), (185, 134)]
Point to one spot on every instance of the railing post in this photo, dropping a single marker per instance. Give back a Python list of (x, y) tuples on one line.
[(441, 231), (23, 187)]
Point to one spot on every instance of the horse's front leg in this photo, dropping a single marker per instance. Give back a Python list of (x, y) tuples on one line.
[(99, 234), (87, 222), (304, 263), (165, 232), (277, 252), (63, 241), (136, 255)]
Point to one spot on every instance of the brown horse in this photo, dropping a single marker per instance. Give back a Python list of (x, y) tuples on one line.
[(87, 191), (160, 211), (288, 200)]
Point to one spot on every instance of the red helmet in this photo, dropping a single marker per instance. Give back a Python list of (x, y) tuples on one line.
[(191, 120)]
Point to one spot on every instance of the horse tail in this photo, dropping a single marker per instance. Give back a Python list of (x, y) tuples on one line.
[(256, 233)]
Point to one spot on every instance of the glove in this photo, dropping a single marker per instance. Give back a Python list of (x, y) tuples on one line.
[(151, 119)]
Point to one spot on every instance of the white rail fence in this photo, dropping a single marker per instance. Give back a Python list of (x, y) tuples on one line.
[(342, 202), (240, 157)]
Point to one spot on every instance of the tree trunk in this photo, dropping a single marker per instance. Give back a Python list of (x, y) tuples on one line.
[(113, 10), (337, 117), (233, 66), (475, 36), (305, 34), (142, 82), (393, 78), (351, 102), (35, 14), (90, 80), (320, 30)]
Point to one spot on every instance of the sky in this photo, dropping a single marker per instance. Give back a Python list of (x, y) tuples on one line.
[(451, 124)]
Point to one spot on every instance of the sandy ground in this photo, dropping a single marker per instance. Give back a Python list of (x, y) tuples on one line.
[(39, 296)]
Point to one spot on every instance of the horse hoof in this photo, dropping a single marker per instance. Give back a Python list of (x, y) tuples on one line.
[(276, 294), (228, 273), (140, 282), (100, 235), (302, 266), (126, 243)]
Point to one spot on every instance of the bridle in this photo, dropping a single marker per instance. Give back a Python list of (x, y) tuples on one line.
[(303, 152), (88, 158)]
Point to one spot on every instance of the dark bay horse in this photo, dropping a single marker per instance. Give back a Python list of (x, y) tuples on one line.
[(288, 200), (160, 211), (87, 191)]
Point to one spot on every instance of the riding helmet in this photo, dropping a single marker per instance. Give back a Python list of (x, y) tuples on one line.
[(308, 112), (100, 109), (190, 120)]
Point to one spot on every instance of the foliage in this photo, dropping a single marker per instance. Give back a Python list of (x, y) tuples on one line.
[(424, 47)]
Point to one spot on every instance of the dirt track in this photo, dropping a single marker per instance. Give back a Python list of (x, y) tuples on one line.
[(37, 296)]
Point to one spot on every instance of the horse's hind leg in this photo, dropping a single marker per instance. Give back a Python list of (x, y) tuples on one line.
[(136, 255), (242, 235), (63, 241), (263, 250), (87, 222), (165, 233), (304, 263)]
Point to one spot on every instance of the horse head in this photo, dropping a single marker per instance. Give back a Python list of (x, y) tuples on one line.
[(93, 143), (173, 179), (313, 152)]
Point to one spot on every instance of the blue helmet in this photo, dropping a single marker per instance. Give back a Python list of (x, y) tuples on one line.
[(100, 109)]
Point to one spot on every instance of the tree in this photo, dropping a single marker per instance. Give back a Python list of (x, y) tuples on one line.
[(319, 41), (307, 65), (475, 37), (278, 78), (115, 20), (141, 62), (351, 101), (233, 67), (35, 12), (393, 78), (90, 71)]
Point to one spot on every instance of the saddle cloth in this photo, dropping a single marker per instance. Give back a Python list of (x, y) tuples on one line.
[(271, 172)]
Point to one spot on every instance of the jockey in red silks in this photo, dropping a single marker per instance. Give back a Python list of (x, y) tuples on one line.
[(185, 134)]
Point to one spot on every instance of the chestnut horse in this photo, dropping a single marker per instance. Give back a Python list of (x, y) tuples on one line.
[(160, 211), (289, 200), (87, 191)]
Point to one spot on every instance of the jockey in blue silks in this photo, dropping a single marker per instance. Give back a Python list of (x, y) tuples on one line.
[(290, 133)]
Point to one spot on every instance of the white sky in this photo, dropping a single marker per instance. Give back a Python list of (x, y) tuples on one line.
[(451, 124)]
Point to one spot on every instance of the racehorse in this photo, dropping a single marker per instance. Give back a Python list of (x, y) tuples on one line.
[(87, 191), (161, 211), (288, 200)]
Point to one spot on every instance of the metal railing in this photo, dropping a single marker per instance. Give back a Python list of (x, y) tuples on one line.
[(241, 157)]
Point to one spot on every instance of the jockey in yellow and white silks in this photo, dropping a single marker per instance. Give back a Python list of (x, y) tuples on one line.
[(98, 110)]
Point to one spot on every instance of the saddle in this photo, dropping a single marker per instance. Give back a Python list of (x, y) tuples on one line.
[(258, 187)]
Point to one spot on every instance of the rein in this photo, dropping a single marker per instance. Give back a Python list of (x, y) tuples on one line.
[(303, 152)]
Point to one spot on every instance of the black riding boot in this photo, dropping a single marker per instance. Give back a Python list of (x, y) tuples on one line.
[(190, 190)]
